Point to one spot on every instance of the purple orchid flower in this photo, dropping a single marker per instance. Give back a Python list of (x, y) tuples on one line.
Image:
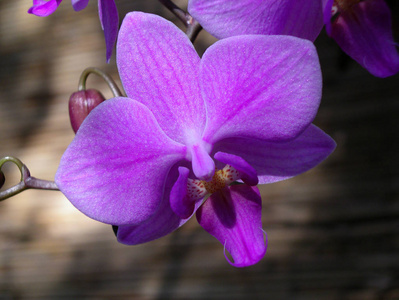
[(190, 128), (225, 18), (362, 28), (107, 12)]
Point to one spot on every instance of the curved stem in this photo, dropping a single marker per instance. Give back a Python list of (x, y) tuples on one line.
[(108, 79), (192, 26), (15, 160), (26, 182), (12, 191)]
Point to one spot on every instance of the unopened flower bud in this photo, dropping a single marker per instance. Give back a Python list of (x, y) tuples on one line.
[(81, 103)]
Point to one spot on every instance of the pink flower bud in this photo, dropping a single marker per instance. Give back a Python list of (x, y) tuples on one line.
[(81, 103)]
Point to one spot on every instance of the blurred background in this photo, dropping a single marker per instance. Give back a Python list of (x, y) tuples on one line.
[(333, 231)]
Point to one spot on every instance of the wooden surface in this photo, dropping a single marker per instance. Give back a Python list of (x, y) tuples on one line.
[(333, 231)]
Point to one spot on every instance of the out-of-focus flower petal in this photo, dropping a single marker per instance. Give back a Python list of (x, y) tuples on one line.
[(234, 217), (247, 172), (109, 19), (265, 87), (225, 18), (163, 222), (159, 66), (364, 32), (44, 8), (80, 4), (115, 169), (278, 161), (327, 14)]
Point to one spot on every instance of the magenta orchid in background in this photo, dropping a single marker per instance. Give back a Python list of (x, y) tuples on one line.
[(225, 18), (190, 128), (362, 28), (107, 12)]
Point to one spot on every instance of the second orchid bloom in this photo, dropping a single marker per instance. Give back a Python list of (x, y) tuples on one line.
[(362, 28)]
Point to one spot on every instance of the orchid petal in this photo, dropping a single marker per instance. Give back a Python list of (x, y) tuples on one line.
[(79, 4), (247, 172), (364, 32), (224, 18), (109, 19), (234, 217), (114, 171), (272, 84), (44, 8), (159, 66), (163, 222), (278, 161)]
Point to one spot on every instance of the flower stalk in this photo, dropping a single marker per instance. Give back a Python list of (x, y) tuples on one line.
[(26, 182), (193, 28)]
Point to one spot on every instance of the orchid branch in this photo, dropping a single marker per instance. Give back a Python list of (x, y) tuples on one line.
[(26, 182), (193, 28)]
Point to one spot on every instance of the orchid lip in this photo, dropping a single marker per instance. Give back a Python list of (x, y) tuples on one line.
[(187, 192), (221, 179)]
